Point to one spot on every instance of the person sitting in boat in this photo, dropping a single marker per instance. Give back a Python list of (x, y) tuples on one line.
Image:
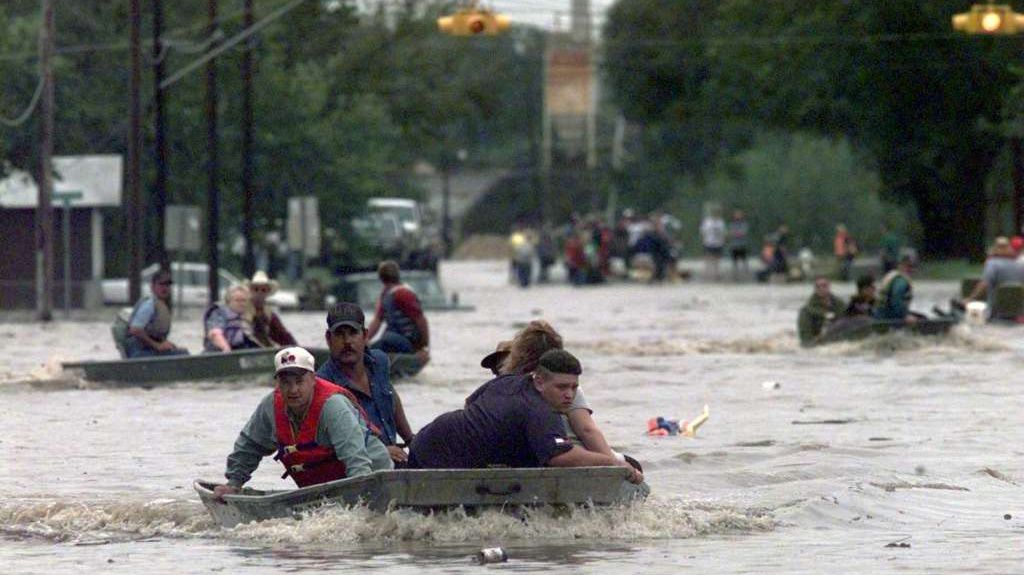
[(366, 374), (896, 293), (267, 328), (512, 421), (1002, 267), (493, 360), (317, 428), (399, 307), (820, 310), (862, 302), (227, 325), (150, 322)]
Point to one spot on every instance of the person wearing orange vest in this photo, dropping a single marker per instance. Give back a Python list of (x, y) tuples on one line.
[(317, 429)]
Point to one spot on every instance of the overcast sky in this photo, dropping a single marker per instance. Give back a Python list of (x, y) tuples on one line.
[(544, 12)]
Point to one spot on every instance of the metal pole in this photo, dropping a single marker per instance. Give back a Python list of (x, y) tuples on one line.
[(66, 232), (134, 199), (44, 213), (545, 143), (249, 261), (159, 120), (1018, 185), (212, 197), (446, 218)]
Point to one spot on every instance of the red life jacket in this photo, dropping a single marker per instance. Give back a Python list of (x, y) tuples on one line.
[(307, 462)]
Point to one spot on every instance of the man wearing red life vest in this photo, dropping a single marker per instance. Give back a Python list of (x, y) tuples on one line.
[(317, 429)]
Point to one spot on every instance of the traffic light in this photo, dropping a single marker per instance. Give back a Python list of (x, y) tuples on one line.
[(989, 19), (473, 22)]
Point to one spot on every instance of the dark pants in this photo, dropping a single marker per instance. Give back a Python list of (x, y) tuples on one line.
[(133, 347), (524, 272), (393, 342)]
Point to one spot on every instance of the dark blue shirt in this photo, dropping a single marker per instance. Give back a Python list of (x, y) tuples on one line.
[(380, 404), (505, 422)]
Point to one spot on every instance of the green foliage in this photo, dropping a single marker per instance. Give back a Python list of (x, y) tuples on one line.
[(809, 183), (890, 76), (345, 103)]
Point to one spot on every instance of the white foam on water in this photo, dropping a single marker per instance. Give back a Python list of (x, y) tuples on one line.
[(653, 519), (72, 521)]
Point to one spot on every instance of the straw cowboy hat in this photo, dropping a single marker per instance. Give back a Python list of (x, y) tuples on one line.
[(261, 278)]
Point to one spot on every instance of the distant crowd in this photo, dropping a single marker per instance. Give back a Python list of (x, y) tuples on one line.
[(648, 247)]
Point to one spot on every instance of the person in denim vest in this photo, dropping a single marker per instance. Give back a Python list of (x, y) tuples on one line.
[(364, 372)]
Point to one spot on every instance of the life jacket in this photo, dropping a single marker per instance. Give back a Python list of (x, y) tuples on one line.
[(237, 331), (307, 462), (157, 329), (396, 319), (885, 289)]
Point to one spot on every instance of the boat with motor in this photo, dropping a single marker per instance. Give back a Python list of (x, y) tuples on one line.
[(205, 367)]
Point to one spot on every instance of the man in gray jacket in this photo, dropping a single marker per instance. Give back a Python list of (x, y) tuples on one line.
[(317, 429)]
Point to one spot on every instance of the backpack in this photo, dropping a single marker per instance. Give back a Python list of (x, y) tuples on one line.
[(119, 329)]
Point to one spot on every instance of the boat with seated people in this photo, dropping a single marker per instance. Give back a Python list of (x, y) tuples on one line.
[(856, 328), (432, 489), (206, 366)]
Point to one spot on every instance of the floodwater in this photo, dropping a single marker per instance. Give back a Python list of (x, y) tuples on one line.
[(888, 455)]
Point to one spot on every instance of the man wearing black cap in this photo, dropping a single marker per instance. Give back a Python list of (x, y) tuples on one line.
[(364, 372), (512, 421)]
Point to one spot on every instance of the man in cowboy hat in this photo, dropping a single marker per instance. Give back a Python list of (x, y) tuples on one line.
[(266, 324)]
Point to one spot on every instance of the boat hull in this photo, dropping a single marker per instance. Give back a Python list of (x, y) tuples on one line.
[(853, 329), (206, 366), (432, 489)]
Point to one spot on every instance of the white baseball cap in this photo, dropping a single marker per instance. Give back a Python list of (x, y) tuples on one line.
[(294, 358)]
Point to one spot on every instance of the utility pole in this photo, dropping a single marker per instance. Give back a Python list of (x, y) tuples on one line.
[(212, 196), (134, 199), (160, 126), (1016, 149), (545, 136), (249, 261), (44, 211)]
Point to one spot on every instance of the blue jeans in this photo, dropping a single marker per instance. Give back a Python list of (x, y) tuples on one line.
[(134, 347), (393, 342)]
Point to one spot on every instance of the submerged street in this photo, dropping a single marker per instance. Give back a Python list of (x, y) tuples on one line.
[(811, 457)]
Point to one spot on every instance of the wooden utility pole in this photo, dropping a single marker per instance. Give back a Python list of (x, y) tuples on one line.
[(134, 199), (1016, 149), (213, 191), (44, 210), (249, 261), (160, 126)]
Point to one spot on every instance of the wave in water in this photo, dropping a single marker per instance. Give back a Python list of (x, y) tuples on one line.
[(675, 347), (959, 339), (100, 522)]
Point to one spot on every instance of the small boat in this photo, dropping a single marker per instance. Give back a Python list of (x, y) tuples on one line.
[(855, 328), (432, 489), (205, 366)]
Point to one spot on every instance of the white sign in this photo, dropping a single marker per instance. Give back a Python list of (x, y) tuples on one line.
[(182, 227), (304, 225)]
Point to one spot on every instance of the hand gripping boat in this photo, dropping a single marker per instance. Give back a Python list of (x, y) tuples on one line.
[(432, 489)]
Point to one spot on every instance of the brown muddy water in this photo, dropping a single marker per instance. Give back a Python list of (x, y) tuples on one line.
[(919, 471)]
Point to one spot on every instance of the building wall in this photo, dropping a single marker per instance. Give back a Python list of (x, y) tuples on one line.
[(18, 256)]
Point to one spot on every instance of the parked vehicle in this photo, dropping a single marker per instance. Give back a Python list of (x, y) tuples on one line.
[(364, 288), (191, 279)]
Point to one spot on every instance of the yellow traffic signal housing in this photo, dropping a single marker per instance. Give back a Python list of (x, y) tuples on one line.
[(473, 23), (989, 19)]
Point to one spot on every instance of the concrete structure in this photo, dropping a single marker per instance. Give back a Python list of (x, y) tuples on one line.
[(99, 179)]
